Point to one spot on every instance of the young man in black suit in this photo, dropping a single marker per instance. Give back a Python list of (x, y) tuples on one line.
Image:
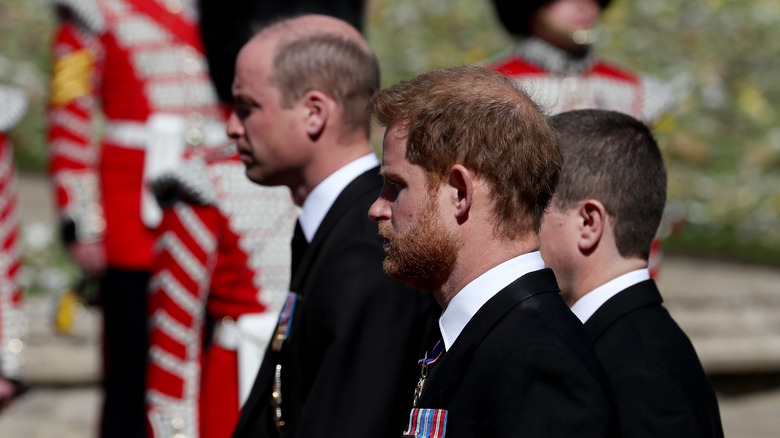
[(596, 237), (470, 165), (341, 362)]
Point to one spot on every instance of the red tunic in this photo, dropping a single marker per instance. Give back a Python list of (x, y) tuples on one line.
[(12, 321), (559, 82), (117, 65), (223, 241)]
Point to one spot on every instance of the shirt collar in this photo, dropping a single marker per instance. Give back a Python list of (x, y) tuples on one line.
[(554, 59), (321, 199), (586, 306), (471, 298)]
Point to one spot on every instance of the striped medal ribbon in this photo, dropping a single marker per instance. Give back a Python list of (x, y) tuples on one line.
[(427, 423)]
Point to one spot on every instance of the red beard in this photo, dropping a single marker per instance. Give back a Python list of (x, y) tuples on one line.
[(424, 255)]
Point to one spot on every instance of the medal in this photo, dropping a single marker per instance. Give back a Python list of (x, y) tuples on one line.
[(276, 396), (285, 322), (427, 423), (277, 342), (424, 363)]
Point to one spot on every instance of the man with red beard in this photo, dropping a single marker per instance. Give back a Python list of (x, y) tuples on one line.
[(470, 164)]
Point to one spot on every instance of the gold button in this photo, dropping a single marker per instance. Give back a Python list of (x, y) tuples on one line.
[(194, 136), (191, 65), (16, 346), (177, 423)]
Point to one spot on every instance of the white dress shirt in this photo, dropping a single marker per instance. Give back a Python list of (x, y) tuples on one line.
[(586, 306), (471, 298), (321, 199)]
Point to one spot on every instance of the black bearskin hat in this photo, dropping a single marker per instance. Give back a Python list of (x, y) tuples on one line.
[(515, 15), (227, 25)]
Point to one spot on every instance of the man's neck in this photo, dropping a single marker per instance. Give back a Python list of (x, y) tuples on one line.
[(322, 198), (479, 257), (594, 273), (327, 161)]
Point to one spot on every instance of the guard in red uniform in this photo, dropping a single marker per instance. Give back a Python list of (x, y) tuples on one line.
[(556, 65), (223, 248), (130, 98), (12, 321)]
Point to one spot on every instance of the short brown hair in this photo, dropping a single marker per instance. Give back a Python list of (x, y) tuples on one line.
[(613, 158), (330, 63), (478, 118)]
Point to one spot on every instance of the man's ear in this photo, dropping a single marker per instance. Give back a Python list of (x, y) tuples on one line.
[(460, 180), (318, 107), (592, 218)]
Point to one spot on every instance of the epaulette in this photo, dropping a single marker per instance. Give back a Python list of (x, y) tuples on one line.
[(189, 182), (86, 12), (13, 108)]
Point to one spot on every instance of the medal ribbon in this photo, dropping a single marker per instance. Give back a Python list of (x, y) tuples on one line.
[(427, 423), (436, 353), (280, 335), (425, 362), (285, 322), (285, 318)]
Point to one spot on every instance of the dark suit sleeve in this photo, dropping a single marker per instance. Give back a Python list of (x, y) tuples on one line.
[(546, 393), (365, 349), (650, 406)]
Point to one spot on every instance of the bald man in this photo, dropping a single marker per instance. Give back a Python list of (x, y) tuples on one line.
[(342, 361)]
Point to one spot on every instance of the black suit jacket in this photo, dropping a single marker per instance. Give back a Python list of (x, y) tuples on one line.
[(349, 365), (658, 380), (523, 367)]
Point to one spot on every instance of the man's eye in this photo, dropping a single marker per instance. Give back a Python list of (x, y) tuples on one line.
[(391, 190), (242, 109)]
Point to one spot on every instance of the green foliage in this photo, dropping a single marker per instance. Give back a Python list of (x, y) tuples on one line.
[(721, 57), (26, 28), (413, 36)]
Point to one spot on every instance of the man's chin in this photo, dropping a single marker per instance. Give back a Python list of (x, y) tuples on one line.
[(393, 271), (260, 178)]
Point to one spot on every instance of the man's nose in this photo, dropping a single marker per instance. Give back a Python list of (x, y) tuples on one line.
[(379, 210), (234, 127)]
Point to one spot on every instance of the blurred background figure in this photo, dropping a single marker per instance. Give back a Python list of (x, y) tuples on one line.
[(227, 26), (13, 105), (222, 267), (556, 62), (557, 66), (132, 73)]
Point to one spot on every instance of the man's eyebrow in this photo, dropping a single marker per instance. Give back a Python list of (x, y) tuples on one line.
[(388, 173)]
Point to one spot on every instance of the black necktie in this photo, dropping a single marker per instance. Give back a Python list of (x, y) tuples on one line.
[(298, 246)]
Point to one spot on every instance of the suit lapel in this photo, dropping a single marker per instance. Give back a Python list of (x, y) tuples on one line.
[(453, 365), (261, 390), (643, 294), (367, 182)]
